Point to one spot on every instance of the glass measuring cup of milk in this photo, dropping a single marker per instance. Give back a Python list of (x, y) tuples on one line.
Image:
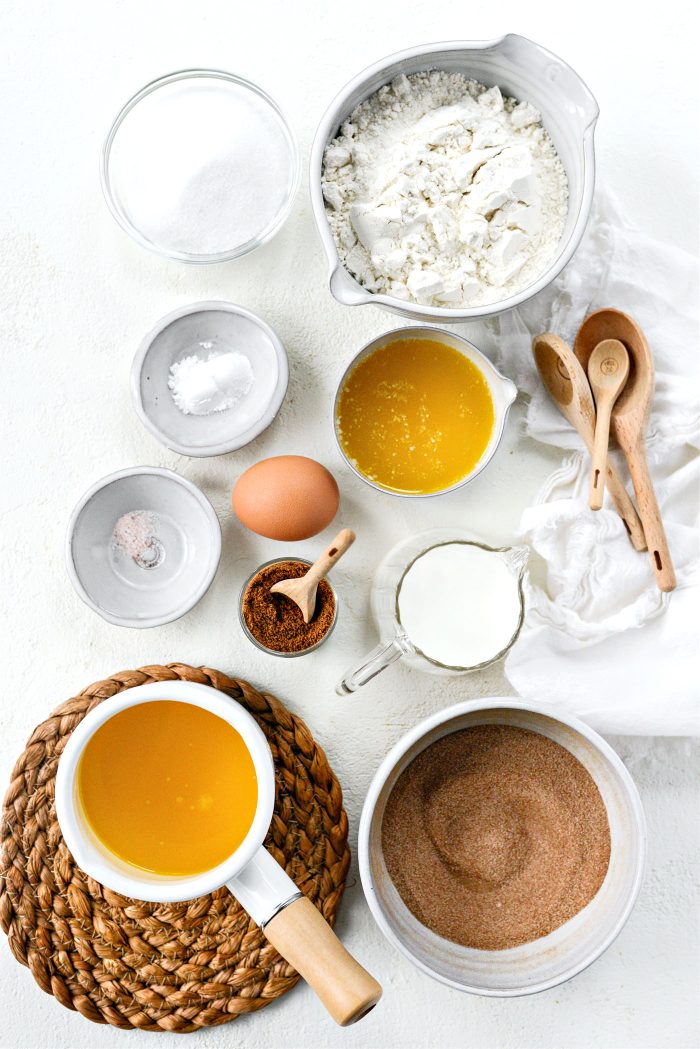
[(446, 603)]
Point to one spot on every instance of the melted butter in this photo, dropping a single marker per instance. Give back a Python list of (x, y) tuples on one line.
[(168, 787), (415, 416)]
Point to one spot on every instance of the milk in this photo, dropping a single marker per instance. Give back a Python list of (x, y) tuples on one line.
[(460, 604)]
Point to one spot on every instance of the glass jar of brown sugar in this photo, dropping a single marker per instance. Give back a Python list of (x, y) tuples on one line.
[(273, 622)]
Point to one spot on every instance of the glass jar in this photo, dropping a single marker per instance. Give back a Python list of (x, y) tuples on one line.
[(254, 639)]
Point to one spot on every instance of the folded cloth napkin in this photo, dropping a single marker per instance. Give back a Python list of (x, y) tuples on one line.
[(600, 640)]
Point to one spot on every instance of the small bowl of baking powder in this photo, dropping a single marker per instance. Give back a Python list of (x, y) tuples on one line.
[(209, 378)]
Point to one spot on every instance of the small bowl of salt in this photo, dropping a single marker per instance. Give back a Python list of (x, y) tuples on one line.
[(209, 378), (143, 546)]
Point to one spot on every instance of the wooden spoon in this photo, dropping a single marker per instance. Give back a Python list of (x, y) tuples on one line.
[(302, 591), (608, 368), (628, 424), (566, 382)]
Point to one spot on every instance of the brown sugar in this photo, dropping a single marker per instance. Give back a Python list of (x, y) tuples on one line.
[(494, 836), (275, 620)]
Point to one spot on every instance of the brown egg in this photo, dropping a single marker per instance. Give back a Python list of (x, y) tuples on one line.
[(286, 497)]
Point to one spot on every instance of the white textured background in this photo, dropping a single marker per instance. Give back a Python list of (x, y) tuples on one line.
[(76, 298)]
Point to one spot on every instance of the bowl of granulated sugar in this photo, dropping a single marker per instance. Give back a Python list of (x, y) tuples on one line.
[(502, 846), (200, 166)]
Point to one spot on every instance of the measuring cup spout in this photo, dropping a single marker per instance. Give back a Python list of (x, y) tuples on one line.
[(304, 938), (385, 653)]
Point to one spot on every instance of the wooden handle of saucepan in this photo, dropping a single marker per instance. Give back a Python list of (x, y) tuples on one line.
[(305, 939)]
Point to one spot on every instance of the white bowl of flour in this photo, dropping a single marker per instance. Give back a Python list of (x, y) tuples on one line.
[(453, 181)]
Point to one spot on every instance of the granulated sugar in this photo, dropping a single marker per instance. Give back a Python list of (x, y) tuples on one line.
[(201, 166), (494, 836)]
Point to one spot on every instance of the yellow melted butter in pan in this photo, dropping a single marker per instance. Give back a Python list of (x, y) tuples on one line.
[(168, 787), (415, 416)]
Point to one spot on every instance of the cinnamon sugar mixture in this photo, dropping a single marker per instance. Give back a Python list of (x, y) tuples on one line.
[(495, 836)]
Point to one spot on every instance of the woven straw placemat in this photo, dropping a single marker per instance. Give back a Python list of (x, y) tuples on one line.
[(175, 967)]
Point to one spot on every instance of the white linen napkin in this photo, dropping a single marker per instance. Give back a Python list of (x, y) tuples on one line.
[(600, 640)]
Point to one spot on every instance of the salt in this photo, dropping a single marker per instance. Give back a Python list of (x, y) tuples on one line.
[(136, 535), (215, 384)]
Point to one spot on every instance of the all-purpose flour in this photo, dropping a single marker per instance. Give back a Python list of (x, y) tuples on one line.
[(441, 191)]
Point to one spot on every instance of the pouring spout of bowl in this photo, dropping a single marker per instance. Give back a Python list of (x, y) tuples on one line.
[(345, 290), (509, 390), (517, 557)]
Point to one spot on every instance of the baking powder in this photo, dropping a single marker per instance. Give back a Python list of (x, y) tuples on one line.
[(214, 383)]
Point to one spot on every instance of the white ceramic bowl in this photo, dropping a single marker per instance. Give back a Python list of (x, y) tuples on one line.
[(520, 68), (109, 581), (179, 334), (568, 950), (503, 393)]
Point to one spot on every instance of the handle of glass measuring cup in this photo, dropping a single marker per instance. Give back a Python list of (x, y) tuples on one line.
[(382, 656), (304, 938)]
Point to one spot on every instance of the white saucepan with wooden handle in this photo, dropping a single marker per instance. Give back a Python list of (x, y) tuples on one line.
[(289, 920)]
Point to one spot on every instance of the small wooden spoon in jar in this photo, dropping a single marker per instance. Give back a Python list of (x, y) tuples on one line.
[(608, 368), (302, 591)]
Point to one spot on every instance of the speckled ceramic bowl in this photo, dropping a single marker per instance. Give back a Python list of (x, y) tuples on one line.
[(503, 393), (568, 950), (116, 586), (221, 327)]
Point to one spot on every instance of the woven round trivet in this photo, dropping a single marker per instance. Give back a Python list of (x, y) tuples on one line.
[(174, 967)]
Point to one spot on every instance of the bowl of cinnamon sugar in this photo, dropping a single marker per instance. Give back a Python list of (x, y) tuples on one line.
[(502, 846)]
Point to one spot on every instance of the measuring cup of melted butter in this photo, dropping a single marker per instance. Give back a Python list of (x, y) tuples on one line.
[(420, 412), (165, 792), (446, 603)]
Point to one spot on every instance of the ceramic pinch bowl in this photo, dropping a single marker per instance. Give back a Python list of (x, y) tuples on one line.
[(201, 329), (186, 549), (552, 959)]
